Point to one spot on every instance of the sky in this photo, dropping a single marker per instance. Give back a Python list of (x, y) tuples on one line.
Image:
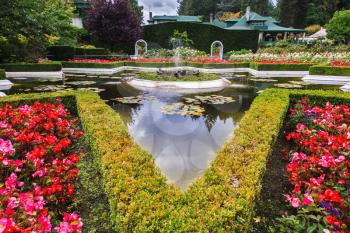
[(160, 7)]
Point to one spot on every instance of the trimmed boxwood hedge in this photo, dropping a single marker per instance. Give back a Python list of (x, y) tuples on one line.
[(330, 70), (151, 64), (280, 67), (202, 36), (2, 74), (222, 200), (61, 53), (90, 52), (219, 66), (31, 67), (91, 65)]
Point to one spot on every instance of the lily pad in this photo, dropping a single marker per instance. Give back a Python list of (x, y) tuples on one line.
[(81, 83), (94, 89), (299, 83), (182, 109), (212, 99), (48, 88), (288, 86), (266, 80), (135, 99)]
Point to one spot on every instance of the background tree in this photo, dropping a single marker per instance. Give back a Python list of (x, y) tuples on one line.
[(113, 22), (27, 27), (338, 28)]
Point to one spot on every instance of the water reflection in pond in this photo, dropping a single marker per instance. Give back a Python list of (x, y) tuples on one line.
[(183, 146)]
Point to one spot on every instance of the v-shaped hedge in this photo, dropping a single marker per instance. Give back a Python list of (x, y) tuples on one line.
[(222, 200)]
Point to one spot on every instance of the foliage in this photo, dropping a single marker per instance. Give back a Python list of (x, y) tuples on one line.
[(200, 77), (329, 70), (239, 52), (184, 53), (90, 51), (61, 52), (180, 39), (113, 22), (2, 74), (27, 27), (312, 29), (92, 64), (39, 157), (230, 15), (318, 165), (31, 67), (338, 28), (202, 36), (280, 66)]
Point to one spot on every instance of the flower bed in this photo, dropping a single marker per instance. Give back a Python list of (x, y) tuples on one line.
[(318, 168), (340, 63), (98, 61), (38, 168)]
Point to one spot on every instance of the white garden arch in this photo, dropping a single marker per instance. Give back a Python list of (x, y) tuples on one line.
[(214, 44), (137, 45)]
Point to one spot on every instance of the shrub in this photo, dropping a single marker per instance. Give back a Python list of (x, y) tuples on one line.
[(338, 28), (312, 29), (202, 35), (219, 66), (61, 53), (91, 65), (2, 74), (280, 67), (31, 67), (200, 77), (330, 70), (90, 51)]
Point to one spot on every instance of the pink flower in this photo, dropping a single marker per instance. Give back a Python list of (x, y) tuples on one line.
[(340, 159), (295, 202), (307, 200), (326, 161), (6, 147), (12, 203), (45, 223)]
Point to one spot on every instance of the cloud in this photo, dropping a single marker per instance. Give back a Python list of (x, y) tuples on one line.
[(158, 7)]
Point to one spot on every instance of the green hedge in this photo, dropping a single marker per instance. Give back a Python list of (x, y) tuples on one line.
[(2, 74), (202, 35), (330, 70), (91, 65), (280, 67), (61, 53), (150, 64), (219, 66), (31, 67), (222, 200), (90, 52)]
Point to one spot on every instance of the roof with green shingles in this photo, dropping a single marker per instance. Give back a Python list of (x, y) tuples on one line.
[(176, 18), (269, 24)]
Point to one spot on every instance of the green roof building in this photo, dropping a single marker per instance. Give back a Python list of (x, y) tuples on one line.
[(173, 18)]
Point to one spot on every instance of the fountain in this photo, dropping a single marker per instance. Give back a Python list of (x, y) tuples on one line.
[(217, 45), (140, 48)]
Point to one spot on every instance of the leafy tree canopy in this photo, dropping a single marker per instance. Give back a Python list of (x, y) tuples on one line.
[(114, 22), (27, 27), (338, 28)]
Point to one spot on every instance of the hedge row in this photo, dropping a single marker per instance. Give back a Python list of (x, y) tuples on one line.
[(280, 67), (218, 66), (91, 65), (330, 70), (91, 200), (222, 200), (202, 36), (65, 53), (2, 74), (31, 67)]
